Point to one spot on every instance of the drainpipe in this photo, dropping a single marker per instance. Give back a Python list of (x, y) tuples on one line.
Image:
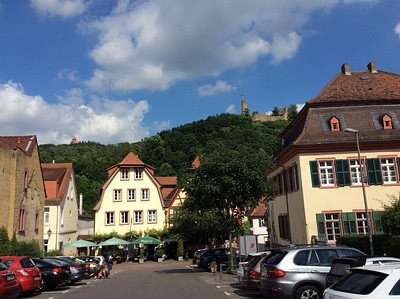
[(57, 224)]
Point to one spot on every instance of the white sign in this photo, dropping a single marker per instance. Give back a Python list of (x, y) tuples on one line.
[(247, 244)]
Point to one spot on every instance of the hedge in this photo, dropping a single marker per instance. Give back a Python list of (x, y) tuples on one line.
[(383, 244)]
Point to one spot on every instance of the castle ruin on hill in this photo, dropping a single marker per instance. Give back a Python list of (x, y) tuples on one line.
[(263, 117)]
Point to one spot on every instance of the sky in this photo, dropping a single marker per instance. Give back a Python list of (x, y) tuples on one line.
[(120, 71)]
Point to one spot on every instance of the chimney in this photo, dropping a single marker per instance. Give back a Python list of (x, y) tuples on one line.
[(80, 203), (372, 67), (346, 69)]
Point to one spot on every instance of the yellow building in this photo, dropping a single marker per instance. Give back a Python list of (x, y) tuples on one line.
[(22, 192), (317, 170), (133, 198)]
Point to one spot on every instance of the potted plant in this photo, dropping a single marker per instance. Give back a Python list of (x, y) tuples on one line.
[(160, 255), (141, 255), (180, 250), (213, 266), (186, 256)]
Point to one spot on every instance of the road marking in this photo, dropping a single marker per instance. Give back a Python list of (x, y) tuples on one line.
[(64, 292), (223, 286), (77, 287), (227, 294), (51, 298)]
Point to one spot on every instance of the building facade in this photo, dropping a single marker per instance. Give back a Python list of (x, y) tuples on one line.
[(133, 198), (317, 171), (61, 209), (22, 193)]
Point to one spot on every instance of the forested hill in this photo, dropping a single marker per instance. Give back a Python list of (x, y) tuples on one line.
[(170, 152)]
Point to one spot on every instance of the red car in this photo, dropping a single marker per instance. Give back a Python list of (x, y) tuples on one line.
[(28, 275), (9, 288)]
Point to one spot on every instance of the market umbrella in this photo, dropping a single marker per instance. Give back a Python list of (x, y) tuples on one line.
[(114, 241), (173, 238), (80, 243), (146, 240)]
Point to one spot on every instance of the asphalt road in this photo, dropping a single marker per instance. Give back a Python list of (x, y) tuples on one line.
[(153, 280)]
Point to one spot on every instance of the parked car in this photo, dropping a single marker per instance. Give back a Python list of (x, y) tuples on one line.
[(53, 274), (9, 287), (77, 269), (197, 254), (252, 271), (85, 264), (299, 271), (28, 276), (368, 282), (244, 262), (342, 266), (219, 255)]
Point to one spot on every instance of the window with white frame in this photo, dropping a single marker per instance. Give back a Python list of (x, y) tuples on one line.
[(326, 173), (46, 216), (117, 195), (110, 218), (388, 170), (131, 194), (152, 216), (124, 174), (138, 217), (124, 217), (145, 194), (362, 224), (138, 173), (333, 226), (356, 172)]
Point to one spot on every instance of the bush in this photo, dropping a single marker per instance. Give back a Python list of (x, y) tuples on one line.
[(180, 247), (383, 244)]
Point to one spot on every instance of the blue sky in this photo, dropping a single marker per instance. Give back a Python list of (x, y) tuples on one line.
[(119, 71)]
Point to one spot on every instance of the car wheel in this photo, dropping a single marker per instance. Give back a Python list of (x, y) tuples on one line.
[(42, 285), (308, 292)]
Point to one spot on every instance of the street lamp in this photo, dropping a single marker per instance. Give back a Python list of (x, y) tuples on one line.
[(369, 223), (49, 233)]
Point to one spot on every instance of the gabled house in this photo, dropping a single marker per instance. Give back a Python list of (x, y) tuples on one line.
[(258, 225), (22, 192), (317, 171), (61, 208), (133, 198)]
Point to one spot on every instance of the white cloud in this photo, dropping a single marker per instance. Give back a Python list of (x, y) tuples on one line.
[(230, 109), (218, 87), (102, 120), (67, 74), (153, 44), (62, 8), (162, 125), (397, 29)]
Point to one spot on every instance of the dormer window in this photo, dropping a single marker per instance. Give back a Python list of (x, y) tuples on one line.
[(387, 122), (335, 124)]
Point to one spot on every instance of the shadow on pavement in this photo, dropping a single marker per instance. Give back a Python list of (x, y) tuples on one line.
[(243, 292), (171, 271)]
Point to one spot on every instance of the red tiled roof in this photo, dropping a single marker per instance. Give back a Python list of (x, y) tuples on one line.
[(59, 172), (258, 211), (131, 159), (24, 143), (167, 180), (360, 85)]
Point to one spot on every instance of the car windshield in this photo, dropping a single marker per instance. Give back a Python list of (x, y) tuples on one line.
[(275, 257), (360, 282), (27, 263)]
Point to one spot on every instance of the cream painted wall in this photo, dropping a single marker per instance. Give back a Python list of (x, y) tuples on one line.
[(346, 199), (63, 220), (108, 205)]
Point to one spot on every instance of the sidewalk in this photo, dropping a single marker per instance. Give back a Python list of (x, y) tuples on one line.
[(147, 264)]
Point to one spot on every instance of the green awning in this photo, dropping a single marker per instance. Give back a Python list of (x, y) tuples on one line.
[(147, 240), (80, 243)]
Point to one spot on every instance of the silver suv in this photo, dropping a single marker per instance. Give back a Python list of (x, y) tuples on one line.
[(299, 272)]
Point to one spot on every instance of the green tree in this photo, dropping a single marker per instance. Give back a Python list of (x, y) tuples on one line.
[(292, 112), (276, 111), (5, 246), (391, 217)]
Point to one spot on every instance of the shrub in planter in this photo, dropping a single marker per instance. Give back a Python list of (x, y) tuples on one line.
[(180, 249), (213, 266), (141, 255), (160, 255)]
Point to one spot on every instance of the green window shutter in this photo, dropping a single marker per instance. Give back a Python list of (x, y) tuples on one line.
[(398, 167), (377, 217), (342, 173), (374, 171), (314, 173), (349, 223), (321, 227)]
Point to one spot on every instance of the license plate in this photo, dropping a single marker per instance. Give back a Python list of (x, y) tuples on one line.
[(9, 277), (36, 278)]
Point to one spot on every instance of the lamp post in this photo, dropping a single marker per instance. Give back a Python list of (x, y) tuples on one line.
[(48, 239), (369, 222)]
